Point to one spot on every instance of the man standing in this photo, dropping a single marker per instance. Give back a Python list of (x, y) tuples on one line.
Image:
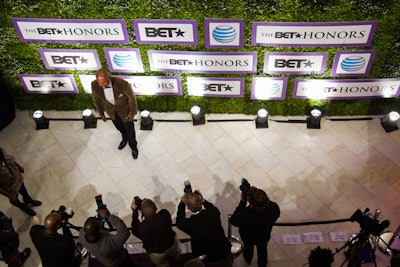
[(54, 248), (9, 243), (155, 231), (255, 223), (116, 97), (12, 183), (205, 230), (106, 247)]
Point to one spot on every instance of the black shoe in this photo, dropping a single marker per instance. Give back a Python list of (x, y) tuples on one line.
[(23, 207), (33, 202), (135, 154), (25, 254), (122, 144), (29, 211)]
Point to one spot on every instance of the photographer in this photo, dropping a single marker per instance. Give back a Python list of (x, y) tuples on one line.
[(9, 243), (54, 248), (205, 229), (12, 184), (255, 222), (155, 231), (106, 247)]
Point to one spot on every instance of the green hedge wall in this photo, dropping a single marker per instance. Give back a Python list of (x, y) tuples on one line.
[(18, 57)]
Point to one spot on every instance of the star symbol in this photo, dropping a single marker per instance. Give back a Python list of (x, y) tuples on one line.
[(308, 64), (60, 84), (190, 62), (298, 35), (179, 33), (83, 60), (228, 88), (59, 31)]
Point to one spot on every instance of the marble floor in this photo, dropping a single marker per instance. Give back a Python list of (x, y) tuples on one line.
[(313, 175)]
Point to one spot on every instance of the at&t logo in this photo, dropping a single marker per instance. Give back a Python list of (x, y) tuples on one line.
[(224, 34)]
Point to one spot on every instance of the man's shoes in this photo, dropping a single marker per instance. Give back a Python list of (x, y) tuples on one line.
[(28, 211), (24, 207), (33, 202), (135, 154), (25, 254), (122, 144)]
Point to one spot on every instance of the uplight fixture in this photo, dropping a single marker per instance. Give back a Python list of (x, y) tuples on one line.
[(89, 119), (197, 115), (262, 118), (41, 121), (389, 121), (314, 119), (146, 122)]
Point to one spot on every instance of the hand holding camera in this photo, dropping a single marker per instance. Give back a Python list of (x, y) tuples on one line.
[(65, 214), (102, 211), (200, 195), (244, 188), (188, 189)]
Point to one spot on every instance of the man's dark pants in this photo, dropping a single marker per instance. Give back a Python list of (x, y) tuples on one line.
[(127, 130)]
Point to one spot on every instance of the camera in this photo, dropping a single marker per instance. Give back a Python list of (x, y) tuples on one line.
[(100, 206), (64, 212), (369, 224), (244, 186), (138, 202), (99, 202), (188, 187)]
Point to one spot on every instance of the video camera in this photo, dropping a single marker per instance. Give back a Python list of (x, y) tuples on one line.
[(244, 187), (360, 247), (368, 222), (65, 213)]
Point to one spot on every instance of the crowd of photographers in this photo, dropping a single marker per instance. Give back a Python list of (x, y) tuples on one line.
[(210, 246), (105, 235)]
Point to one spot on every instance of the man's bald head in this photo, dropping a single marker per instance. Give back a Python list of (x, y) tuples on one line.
[(92, 229), (52, 222)]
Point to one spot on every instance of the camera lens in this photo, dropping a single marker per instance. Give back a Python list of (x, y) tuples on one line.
[(138, 202), (61, 209), (188, 187)]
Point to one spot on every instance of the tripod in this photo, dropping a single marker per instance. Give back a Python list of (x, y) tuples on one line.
[(359, 250)]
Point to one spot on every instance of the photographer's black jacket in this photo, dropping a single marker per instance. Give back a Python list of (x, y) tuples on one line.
[(255, 226), (54, 250), (9, 239), (205, 230), (155, 232)]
